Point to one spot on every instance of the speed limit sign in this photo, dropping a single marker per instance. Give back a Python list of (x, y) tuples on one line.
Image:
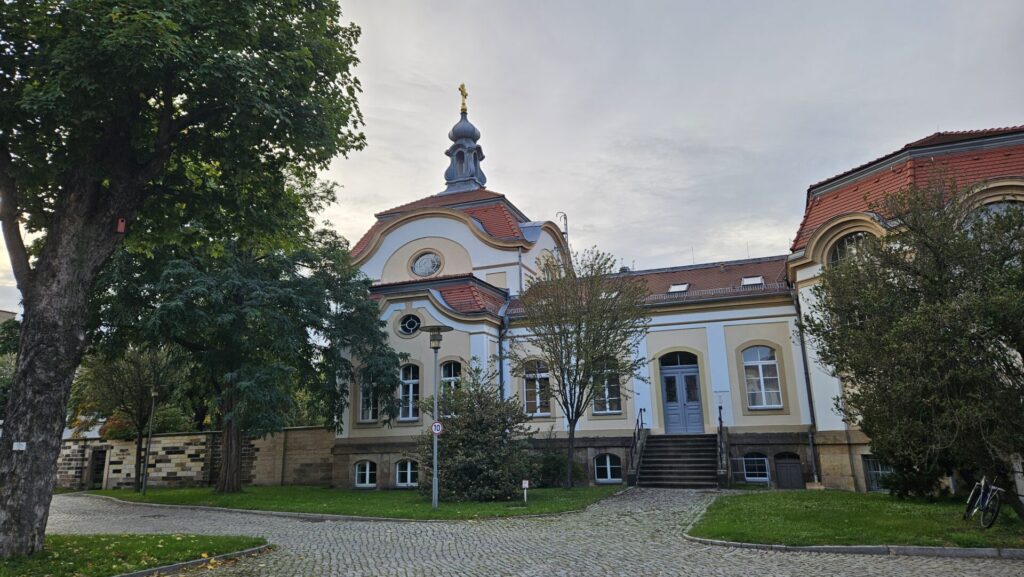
[(436, 427)]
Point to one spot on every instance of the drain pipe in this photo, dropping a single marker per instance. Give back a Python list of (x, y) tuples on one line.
[(502, 331), (807, 383)]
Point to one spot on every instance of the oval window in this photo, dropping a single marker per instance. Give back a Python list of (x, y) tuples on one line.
[(409, 325), (426, 264)]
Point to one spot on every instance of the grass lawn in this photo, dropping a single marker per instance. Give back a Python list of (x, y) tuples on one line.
[(105, 555), (394, 504), (844, 518)]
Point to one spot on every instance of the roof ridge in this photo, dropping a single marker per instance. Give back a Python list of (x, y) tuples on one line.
[(708, 265), (446, 200)]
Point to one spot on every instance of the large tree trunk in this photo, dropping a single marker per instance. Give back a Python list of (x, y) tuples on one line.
[(229, 478), (52, 343), (55, 296)]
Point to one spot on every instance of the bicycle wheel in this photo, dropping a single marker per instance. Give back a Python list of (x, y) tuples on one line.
[(972, 500), (991, 511)]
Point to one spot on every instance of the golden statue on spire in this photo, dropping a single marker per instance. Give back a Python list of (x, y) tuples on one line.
[(464, 93)]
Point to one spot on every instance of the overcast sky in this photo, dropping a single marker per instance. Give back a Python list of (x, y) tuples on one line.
[(665, 127)]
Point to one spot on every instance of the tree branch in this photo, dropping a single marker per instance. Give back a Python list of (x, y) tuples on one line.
[(9, 219)]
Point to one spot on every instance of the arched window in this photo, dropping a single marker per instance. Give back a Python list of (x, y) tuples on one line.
[(537, 389), (607, 389), (451, 373), (608, 469), (407, 474), (755, 468), (366, 474), (761, 371), (409, 394), (845, 247), (678, 359)]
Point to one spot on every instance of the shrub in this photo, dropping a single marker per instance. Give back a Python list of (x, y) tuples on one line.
[(483, 452), (549, 469)]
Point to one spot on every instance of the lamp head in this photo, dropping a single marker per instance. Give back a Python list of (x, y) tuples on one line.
[(435, 334)]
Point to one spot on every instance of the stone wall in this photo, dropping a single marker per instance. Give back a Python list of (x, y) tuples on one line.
[(297, 456)]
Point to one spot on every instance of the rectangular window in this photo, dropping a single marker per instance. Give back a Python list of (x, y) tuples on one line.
[(752, 280), (874, 472), (679, 287), (608, 396), (761, 373), (409, 394), (537, 394), (367, 406)]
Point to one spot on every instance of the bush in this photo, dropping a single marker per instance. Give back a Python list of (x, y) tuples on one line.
[(549, 469), (483, 452), (906, 482)]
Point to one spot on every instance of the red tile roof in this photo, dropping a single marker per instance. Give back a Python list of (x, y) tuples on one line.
[(443, 200), (497, 218), (965, 167), (470, 299), (710, 281)]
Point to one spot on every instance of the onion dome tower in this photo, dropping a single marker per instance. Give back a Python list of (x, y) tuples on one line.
[(464, 172)]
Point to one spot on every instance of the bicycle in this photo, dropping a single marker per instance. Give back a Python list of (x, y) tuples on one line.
[(988, 499)]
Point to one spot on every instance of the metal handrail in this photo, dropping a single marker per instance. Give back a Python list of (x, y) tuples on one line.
[(635, 448), (723, 449)]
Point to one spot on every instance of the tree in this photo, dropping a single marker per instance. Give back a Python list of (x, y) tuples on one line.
[(127, 389), (8, 357), (111, 111), (483, 453), (586, 323), (261, 323), (925, 328)]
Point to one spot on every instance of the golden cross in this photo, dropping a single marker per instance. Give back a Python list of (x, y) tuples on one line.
[(464, 93)]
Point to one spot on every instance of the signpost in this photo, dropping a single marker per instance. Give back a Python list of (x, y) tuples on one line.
[(526, 485)]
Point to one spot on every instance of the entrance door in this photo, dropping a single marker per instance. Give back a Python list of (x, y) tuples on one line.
[(681, 400)]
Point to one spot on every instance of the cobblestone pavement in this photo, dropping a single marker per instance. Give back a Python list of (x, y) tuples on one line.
[(634, 534)]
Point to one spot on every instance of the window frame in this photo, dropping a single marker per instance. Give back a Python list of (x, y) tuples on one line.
[(763, 391), (411, 470), (607, 467), (541, 388), (365, 474), (603, 393), (368, 405), (844, 243), (409, 393), (874, 471), (766, 477)]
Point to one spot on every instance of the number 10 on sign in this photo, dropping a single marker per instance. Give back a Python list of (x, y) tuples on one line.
[(436, 427)]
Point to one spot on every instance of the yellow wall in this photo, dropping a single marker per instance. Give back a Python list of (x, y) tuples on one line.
[(777, 336), (454, 258), (687, 340)]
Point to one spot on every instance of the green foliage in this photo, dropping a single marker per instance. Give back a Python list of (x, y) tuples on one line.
[(483, 453), (388, 504), (109, 555), (166, 420), (847, 518), (925, 328), (549, 469), (7, 366), (906, 482), (10, 333)]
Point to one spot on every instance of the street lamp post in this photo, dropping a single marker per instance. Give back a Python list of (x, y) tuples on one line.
[(435, 344), (149, 442)]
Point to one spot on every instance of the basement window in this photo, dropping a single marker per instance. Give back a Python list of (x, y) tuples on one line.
[(752, 280), (679, 287)]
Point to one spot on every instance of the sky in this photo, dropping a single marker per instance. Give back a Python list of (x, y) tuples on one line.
[(668, 132)]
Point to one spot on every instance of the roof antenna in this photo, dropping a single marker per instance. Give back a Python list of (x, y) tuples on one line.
[(748, 249), (693, 259)]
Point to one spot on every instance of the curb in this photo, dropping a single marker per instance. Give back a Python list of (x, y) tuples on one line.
[(894, 550), (175, 567), (320, 517)]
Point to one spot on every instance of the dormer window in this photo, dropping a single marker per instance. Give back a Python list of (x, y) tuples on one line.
[(752, 280), (679, 287)]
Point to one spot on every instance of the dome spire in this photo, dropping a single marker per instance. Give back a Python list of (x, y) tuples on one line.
[(464, 171)]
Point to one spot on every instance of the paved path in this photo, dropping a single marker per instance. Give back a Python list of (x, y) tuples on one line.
[(635, 534)]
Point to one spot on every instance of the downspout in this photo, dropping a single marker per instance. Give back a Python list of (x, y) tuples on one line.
[(502, 330), (519, 253), (807, 384)]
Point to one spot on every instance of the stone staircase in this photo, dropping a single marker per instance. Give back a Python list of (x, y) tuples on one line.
[(679, 461)]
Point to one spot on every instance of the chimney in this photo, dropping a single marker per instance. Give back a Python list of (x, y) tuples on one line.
[(624, 269)]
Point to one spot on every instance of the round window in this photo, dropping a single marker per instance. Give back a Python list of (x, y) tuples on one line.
[(409, 325), (426, 264)]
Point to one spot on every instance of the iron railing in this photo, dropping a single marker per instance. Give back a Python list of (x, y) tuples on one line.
[(723, 450), (636, 448)]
